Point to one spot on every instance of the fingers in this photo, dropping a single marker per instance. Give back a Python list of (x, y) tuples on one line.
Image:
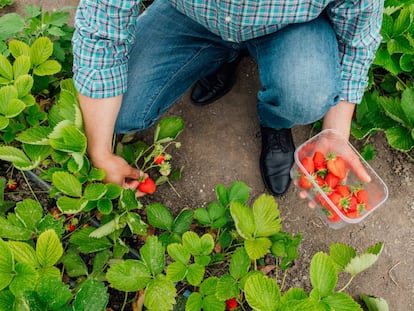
[(358, 168), (304, 195)]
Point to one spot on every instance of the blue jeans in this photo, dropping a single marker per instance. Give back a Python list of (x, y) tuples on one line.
[(299, 68)]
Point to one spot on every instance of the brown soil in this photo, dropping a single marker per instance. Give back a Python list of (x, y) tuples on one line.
[(220, 144)]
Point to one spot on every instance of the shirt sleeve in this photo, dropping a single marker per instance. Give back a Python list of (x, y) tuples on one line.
[(357, 25), (104, 34)]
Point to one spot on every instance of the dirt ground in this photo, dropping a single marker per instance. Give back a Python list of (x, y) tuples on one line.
[(220, 144)]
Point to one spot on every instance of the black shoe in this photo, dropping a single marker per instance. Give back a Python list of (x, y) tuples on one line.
[(276, 159), (216, 85)]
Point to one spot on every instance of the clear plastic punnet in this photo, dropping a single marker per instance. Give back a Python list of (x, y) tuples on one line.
[(341, 209)]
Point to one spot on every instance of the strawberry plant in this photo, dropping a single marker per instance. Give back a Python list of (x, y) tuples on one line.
[(388, 103)]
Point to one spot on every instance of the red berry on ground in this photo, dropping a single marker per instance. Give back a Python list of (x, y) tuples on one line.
[(11, 184), (231, 304)]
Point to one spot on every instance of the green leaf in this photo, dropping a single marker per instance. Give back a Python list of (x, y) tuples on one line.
[(14, 155), (129, 275), (88, 244), (14, 107), (106, 229), (243, 219), (68, 138), (6, 69), (28, 298), (407, 105), (398, 137), (374, 303), (71, 205), (195, 274), (222, 195), (135, 224), (239, 263), (238, 192), (6, 300), (4, 122), (48, 248), (183, 221), (227, 287), (406, 62), (19, 48), (262, 293), (49, 67), (29, 212), (10, 25), (341, 301), (41, 50), (128, 200), (25, 279), (67, 183), (53, 293), (178, 252), (36, 135), (159, 216), (257, 248), (323, 274), (168, 129), (266, 216), (341, 254), (194, 302), (153, 254), (216, 211), (14, 231), (6, 265), (74, 264), (94, 191), (206, 244), (92, 296), (211, 303), (23, 84), (384, 59), (403, 21), (160, 294), (176, 271), (208, 286), (24, 253), (360, 263), (202, 215), (192, 242)]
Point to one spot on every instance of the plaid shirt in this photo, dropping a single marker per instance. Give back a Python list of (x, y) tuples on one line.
[(105, 32)]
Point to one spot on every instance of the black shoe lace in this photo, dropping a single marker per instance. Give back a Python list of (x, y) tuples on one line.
[(278, 140)]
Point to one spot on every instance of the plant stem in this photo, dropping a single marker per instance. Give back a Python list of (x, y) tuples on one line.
[(30, 186), (283, 280), (125, 301), (347, 284)]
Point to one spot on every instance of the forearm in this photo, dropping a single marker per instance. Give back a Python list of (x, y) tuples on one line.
[(99, 117), (339, 118)]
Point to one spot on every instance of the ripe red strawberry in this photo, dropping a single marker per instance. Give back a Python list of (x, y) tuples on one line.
[(343, 190), (147, 186), (331, 180), (319, 180), (159, 159), (319, 161), (361, 196), (336, 165), (71, 227), (307, 163), (11, 184), (304, 182), (231, 304)]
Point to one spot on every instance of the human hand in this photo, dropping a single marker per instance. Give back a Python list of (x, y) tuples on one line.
[(118, 171), (331, 141)]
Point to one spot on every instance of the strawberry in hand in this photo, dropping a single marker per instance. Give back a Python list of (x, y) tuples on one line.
[(336, 165), (147, 186)]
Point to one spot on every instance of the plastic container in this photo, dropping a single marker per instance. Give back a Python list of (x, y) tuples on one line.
[(330, 141)]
